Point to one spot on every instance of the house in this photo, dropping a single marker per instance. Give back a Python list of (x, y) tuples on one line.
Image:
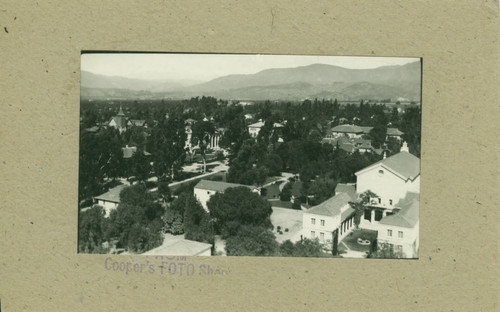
[(137, 123), (205, 189), (119, 121), (394, 133), (351, 131), (323, 220), (109, 200), (181, 247), (129, 151), (254, 128), (399, 231)]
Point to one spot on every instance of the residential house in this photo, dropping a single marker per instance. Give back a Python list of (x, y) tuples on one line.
[(109, 200), (350, 131), (205, 189), (254, 128), (119, 121), (394, 133)]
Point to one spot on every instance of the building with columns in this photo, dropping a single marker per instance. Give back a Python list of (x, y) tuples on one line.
[(336, 213)]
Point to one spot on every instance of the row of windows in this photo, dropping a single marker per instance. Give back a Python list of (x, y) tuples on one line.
[(321, 236), (400, 233), (313, 221)]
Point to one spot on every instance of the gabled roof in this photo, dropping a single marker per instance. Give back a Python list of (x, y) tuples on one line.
[(113, 195), (347, 129), (258, 124), (182, 247), (331, 207), (137, 122), (403, 164), (366, 130), (408, 216), (349, 189), (120, 121), (219, 186), (394, 132)]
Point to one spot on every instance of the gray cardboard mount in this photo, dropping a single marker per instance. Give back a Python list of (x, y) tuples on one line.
[(458, 269)]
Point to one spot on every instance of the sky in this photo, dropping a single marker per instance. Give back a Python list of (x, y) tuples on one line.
[(204, 67)]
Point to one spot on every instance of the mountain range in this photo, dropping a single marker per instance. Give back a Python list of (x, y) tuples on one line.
[(298, 83)]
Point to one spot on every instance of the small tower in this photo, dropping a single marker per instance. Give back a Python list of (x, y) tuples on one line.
[(404, 148), (120, 112)]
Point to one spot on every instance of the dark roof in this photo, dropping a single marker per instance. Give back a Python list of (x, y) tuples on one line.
[(347, 129), (219, 186), (349, 189), (408, 216), (403, 164), (331, 207), (113, 195)]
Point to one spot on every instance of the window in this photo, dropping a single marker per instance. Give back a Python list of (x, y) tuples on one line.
[(389, 232), (381, 172), (379, 200), (208, 192), (400, 234), (390, 201), (313, 221), (322, 237), (400, 249), (313, 234), (322, 222)]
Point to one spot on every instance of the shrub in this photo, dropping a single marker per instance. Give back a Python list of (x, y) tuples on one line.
[(278, 228), (286, 230)]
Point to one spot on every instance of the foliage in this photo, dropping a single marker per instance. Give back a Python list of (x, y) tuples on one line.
[(385, 251), (251, 240), (137, 220), (197, 221), (286, 192), (237, 207), (360, 206), (202, 131), (303, 248), (91, 229)]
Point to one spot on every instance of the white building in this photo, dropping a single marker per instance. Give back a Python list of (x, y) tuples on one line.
[(333, 214), (109, 200), (254, 128), (206, 189), (400, 230)]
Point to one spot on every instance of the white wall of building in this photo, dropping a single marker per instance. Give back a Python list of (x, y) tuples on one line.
[(388, 186), (107, 205), (203, 196), (407, 238), (312, 226)]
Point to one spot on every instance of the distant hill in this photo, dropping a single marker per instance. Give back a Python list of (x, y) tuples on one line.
[(312, 81)]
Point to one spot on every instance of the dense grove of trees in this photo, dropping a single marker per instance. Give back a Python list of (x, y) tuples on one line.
[(136, 224), (240, 216)]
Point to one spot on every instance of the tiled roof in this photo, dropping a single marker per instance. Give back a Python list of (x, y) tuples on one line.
[(120, 121), (331, 207), (218, 186), (403, 163), (181, 247), (347, 129), (113, 195), (408, 216)]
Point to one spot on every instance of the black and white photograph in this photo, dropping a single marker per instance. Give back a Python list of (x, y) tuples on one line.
[(185, 154)]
